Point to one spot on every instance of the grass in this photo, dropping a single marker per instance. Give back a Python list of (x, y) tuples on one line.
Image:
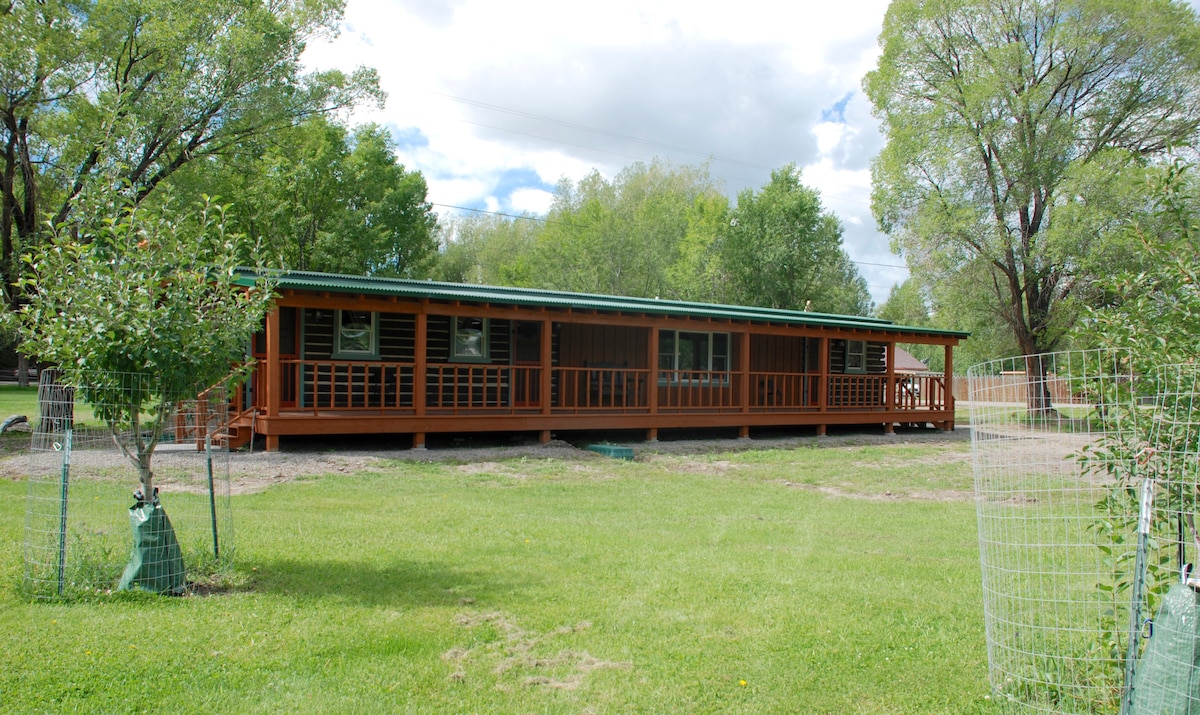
[(727, 583)]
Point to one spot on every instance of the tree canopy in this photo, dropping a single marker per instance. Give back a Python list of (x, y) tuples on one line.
[(1010, 124), (129, 91), (622, 236), (323, 198), (782, 249), (658, 230)]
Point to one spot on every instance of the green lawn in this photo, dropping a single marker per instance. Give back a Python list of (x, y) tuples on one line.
[(838, 579)]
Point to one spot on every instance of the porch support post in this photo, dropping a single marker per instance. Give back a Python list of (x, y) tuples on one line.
[(273, 374), (822, 380), (744, 380), (652, 380), (889, 387), (948, 376), (420, 360), (546, 387), (420, 357)]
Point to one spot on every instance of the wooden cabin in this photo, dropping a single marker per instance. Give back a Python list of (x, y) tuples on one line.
[(357, 355)]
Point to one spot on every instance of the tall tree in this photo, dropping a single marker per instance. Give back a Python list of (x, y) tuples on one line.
[(325, 199), (621, 236), (489, 249), (97, 91), (782, 249), (990, 107)]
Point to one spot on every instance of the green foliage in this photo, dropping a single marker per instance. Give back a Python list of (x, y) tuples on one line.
[(327, 200), (1151, 318), (1152, 308), (622, 237), (1008, 123), (906, 305), (490, 250), (126, 92), (658, 230), (142, 311), (783, 250)]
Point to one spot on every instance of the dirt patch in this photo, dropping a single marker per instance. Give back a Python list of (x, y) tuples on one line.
[(939, 495), (520, 652)]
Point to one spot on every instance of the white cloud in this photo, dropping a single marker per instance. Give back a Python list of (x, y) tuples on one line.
[(534, 201), (510, 97)]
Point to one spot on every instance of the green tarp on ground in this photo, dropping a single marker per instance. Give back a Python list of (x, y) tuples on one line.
[(1167, 678), (156, 562)]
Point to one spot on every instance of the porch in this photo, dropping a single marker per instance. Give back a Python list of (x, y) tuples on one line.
[(354, 355), (349, 397)]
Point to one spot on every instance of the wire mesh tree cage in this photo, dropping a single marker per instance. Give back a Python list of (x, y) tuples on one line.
[(80, 487), (1067, 449)]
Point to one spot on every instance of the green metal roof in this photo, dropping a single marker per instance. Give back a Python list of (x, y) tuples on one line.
[(470, 293)]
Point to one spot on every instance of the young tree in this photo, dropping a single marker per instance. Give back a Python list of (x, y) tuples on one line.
[(782, 249), (989, 107), (1152, 311), (149, 293)]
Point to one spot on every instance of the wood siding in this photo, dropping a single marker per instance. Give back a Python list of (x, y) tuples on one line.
[(605, 345)]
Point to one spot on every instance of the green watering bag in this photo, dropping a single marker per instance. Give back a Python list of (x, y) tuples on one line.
[(1167, 678), (156, 562)]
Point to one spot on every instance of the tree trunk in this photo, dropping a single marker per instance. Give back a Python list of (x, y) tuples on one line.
[(22, 370), (1038, 398), (56, 403)]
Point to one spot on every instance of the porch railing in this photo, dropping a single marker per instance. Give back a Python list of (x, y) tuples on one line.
[(388, 387), (584, 389), (698, 390), (777, 391)]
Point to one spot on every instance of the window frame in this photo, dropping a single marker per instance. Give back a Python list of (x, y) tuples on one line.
[(484, 343), (341, 352), (674, 371), (861, 353)]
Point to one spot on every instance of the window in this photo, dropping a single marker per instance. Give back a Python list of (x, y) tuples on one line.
[(355, 334), (682, 353), (470, 341), (856, 356)]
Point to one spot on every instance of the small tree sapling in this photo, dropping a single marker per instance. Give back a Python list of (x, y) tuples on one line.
[(141, 311)]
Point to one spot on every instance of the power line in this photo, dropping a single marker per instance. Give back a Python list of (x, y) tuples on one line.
[(617, 135), (595, 130)]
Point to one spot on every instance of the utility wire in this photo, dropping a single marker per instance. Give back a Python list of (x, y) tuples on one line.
[(615, 135)]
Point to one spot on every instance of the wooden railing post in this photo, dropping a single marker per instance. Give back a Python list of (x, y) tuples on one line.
[(652, 381), (744, 381), (274, 375), (948, 377), (546, 364), (823, 380)]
